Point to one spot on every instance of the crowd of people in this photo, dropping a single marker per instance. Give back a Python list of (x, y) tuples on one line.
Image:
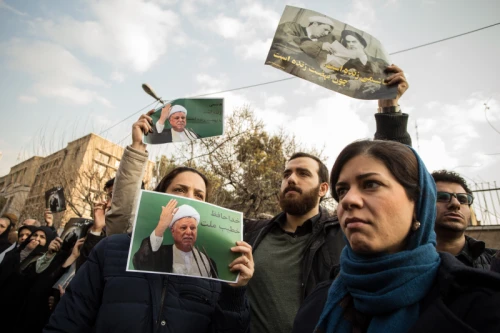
[(393, 258)]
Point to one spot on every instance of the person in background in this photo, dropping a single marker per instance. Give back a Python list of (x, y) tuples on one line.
[(454, 200), (391, 277)]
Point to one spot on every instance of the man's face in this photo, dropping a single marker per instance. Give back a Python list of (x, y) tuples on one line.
[(29, 222), (451, 216), (319, 30), (184, 233), (300, 188), (178, 121), (23, 235), (353, 43)]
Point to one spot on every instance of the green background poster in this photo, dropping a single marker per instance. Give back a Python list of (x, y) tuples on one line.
[(205, 117), (218, 230)]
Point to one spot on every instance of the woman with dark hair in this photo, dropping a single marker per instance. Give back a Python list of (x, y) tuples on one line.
[(15, 262), (391, 277), (13, 273), (104, 297)]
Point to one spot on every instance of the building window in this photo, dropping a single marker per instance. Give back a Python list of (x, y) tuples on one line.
[(103, 158)]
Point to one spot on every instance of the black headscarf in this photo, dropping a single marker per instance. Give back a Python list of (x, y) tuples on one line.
[(31, 228), (39, 250)]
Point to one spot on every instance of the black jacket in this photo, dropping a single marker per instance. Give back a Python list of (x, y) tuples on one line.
[(462, 299), (163, 259), (104, 297), (321, 259), (476, 254)]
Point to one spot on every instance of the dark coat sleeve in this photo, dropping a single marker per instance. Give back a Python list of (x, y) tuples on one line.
[(309, 312), (232, 313), (495, 263), (392, 127), (90, 242), (77, 310)]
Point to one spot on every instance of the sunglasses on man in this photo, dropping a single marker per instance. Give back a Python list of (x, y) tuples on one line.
[(463, 198)]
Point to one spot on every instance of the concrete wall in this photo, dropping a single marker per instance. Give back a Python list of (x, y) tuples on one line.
[(487, 233)]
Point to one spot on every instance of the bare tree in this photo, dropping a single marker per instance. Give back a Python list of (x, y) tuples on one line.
[(245, 165)]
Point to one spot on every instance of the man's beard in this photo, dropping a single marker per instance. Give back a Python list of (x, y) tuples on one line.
[(301, 204)]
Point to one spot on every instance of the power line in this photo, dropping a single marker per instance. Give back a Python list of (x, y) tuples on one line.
[(292, 78), (128, 117), (444, 39)]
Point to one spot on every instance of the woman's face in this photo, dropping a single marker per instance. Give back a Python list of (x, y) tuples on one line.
[(4, 224), (23, 235), (188, 184), (38, 238), (374, 211)]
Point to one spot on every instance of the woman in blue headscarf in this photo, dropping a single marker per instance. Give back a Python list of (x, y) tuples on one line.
[(391, 277)]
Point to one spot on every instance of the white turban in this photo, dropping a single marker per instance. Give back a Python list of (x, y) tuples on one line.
[(177, 108), (321, 19), (185, 211)]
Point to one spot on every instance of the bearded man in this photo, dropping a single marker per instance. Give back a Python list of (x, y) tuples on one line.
[(295, 250)]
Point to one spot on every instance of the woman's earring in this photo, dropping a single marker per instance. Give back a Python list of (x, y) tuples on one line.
[(415, 226)]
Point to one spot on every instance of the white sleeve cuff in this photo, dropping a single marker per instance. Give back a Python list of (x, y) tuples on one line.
[(159, 127), (155, 241)]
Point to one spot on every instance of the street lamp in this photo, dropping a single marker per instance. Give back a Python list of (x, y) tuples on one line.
[(147, 88)]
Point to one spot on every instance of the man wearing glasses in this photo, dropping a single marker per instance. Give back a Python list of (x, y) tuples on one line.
[(454, 200)]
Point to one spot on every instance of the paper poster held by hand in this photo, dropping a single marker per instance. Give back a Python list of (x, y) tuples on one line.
[(330, 53)]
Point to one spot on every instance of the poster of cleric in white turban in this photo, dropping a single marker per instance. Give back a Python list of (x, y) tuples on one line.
[(187, 119), (181, 236), (330, 53)]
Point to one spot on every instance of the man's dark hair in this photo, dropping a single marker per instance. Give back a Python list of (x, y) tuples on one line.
[(109, 183), (322, 169), (450, 177)]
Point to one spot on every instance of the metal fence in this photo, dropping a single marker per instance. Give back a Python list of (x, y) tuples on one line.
[(486, 204)]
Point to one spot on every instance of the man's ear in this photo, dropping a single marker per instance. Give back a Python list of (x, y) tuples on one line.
[(323, 189)]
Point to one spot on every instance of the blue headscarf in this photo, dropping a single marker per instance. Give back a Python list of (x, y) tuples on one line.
[(388, 287)]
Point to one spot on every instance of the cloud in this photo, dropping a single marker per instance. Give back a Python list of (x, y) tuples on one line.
[(210, 83), (27, 99), (250, 29), (117, 77), (131, 33), (274, 101), (72, 94), (227, 27), (48, 61), (56, 72), (10, 8), (258, 49), (361, 15)]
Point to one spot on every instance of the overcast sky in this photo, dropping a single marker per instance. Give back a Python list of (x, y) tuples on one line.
[(72, 67)]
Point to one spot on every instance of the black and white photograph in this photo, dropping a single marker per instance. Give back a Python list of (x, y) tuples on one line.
[(330, 53), (55, 200), (75, 229)]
